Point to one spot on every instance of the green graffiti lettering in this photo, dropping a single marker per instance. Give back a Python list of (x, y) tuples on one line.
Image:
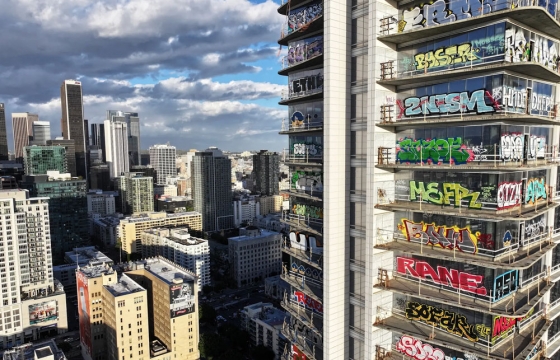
[(435, 151), (450, 194)]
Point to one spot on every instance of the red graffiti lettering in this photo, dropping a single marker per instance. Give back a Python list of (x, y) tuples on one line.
[(448, 277), (308, 302)]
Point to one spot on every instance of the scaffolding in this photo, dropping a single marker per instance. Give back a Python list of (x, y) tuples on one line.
[(387, 70)]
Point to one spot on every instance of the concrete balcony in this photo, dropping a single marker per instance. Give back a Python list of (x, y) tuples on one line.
[(303, 96), (468, 119), (305, 223), (517, 304), (532, 69), (552, 345), (315, 26), (304, 194), (287, 67), (490, 160), (300, 127), (311, 320), (304, 284), (512, 257), (533, 16), (513, 345), (315, 260)]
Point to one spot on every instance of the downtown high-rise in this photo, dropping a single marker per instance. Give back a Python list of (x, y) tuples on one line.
[(3, 134), (423, 163), (162, 159), (22, 128), (72, 122), (116, 144)]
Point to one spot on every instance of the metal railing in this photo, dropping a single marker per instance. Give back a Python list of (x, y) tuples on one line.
[(289, 96), (479, 61), (477, 155), (301, 125)]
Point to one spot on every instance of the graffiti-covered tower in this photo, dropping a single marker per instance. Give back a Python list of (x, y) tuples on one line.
[(424, 157)]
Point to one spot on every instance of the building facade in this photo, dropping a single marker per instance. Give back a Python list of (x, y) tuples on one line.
[(72, 122), (3, 134), (32, 302), (211, 189), (97, 134), (41, 132), (162, 159), (431, 126), (245, 211), (67, 207), (264, 322), (270, 204), (254, 255), (116, 144), (22, 128), (101, 202), (37, 160), (131, 228), (178, 246), (70, 149), (266, 169)]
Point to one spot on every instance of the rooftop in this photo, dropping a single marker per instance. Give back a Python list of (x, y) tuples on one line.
[(93, 271), (124, 286), (253, 233), (166, 270), (87, 255), (267, 313), (158, 215), (34, 351)]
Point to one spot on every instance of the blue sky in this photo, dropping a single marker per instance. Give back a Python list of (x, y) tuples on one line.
[(200, 73)]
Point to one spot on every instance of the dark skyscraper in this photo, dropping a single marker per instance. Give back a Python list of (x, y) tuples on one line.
[(133, 122), (3, 134), (72, 121), (98, 137), (211, 189), (266, 168), (70, 153)]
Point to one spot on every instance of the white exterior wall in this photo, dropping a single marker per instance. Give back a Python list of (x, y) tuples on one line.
[(116, 147)]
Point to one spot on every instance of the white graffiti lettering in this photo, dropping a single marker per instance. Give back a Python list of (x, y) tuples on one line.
[(535, 228), (515, 99), (511, 147), (307, 149), (416, 349), (536, 147), (509, 194), (517, 47), (541, 102)]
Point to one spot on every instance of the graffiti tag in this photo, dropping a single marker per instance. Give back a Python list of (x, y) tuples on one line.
[(443, 276), (313, 212), (301, 149), (536, 148), (511, 147), (505, 284), (307, 180), (450, 150), (536, 190), (503, 325), (445, 237), (535, 227), (306, 271), (309, 303), (454, 54), (416, 349), (443, 193), (449, 104), (509, 194), (445, 319)]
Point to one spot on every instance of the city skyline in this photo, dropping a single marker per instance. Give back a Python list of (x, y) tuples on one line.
[(191, 80)]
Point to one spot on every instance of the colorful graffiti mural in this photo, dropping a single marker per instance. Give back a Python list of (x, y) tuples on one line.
[(448, 320), (307, 180), (443, 56), (300, 17), (436, 151), (304, 242), (536, 190), (302, 50), (502, 325), (509, 194), (443, 194), (512, 147), (301, 149), (447, 237), (313, 212), (438, 12), (442, 276), (479, 101)]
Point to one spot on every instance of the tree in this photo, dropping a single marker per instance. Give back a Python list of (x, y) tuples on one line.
[(261, 352), (207, 313), (211, 345), (206, 289)]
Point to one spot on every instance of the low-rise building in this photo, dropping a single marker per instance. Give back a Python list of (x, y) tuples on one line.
[(174, 203), (165, 189), (264, 323), (43, 350), (105, 229), (270, 204), (254, 255), (101, 202), (152, 304), (131, 228), (181, 248)]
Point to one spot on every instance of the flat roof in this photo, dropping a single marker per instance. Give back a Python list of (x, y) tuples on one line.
[(86, 255), (166, 270), (263, 233), (146, 216), (93, 271), (124, 286)]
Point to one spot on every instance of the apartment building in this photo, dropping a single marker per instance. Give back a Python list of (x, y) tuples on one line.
[(131, 228)]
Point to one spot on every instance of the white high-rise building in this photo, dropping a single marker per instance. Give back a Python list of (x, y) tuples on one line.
[(181, 248), (32, 302), (116, 146), (162, 158), (41, 132), (22, 128)]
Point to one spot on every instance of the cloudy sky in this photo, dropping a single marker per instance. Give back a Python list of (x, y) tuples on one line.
[(200, 73)]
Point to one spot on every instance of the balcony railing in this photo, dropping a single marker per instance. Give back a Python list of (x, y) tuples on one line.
[(297, 125), (286, 95), (488, 157)]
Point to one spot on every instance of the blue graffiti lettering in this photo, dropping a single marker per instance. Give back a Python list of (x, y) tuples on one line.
[(450, 103), (507, 238)]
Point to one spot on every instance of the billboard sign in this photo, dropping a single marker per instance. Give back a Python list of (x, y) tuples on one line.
[(181, 299), (41, 312), (83, 311)]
